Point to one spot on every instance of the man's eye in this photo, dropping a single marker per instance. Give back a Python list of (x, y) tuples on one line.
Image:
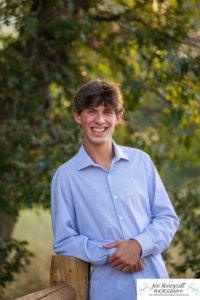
[(91, 111), (108, 112)]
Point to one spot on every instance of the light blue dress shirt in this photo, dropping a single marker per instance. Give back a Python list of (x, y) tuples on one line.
[(91, 207)]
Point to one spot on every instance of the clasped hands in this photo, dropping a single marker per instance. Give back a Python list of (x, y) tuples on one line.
[(126, 257)]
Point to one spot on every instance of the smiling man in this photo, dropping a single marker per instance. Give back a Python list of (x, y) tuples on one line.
[(109, 205)]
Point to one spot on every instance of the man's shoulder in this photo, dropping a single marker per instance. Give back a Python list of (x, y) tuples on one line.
[(132, 152), (67, 167)]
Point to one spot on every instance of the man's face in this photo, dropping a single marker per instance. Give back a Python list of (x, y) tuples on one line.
[(97, 123)]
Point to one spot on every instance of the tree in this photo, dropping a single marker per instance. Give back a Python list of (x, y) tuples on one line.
[(151, 48)]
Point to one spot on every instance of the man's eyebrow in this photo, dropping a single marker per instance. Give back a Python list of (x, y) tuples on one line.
[(92, 107), (108, 108)]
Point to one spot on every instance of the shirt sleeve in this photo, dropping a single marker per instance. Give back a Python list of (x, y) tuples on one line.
[(67, 240), (156, 237)]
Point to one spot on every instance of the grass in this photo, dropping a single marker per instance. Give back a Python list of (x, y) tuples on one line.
[(33, 226)]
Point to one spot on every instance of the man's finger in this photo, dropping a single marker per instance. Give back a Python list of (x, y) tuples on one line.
[(120, 267), (126, 270), (111, 245), (113, 258), (140, 265), (136, 268)]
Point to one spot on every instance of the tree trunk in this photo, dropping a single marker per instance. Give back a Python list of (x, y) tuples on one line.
[(6, 226)]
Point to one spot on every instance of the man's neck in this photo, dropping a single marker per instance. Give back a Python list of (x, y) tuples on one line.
[(102, 154)]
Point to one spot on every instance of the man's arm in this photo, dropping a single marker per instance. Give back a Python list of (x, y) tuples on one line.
[(67, 240), (156, 237)]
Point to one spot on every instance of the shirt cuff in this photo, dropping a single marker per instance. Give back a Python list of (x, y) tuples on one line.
[(146, 244), (109, 252)]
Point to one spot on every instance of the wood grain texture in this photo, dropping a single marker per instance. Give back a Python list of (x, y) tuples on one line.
[(71, 271), (58, 292)]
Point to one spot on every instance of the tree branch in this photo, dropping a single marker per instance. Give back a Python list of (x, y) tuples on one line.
[(111, 18)]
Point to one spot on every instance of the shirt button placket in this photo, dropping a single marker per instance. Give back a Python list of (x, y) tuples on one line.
[(115, 197)]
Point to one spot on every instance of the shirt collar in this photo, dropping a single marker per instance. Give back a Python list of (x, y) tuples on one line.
[(84, 160), (119, 153)]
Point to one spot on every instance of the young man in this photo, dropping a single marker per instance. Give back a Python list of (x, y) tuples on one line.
[(109, 206)]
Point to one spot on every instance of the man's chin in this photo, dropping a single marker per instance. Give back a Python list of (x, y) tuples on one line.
[(100, 140)]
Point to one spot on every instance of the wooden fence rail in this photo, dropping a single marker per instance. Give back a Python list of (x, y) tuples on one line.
[(59, 292), (69, 280)]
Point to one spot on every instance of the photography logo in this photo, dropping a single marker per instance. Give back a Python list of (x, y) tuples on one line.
[(166, 289)]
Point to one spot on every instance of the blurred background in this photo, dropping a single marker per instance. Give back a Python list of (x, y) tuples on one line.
[(48, 49)]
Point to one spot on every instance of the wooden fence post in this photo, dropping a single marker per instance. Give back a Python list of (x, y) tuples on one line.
[(71, 271)]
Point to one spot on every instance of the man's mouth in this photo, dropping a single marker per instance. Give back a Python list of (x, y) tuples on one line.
[(97, 129)]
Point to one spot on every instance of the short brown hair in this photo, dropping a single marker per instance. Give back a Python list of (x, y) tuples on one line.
[(99, 92)]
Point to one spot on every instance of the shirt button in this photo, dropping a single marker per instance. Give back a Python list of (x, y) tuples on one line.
[(109, 176), (121, 218), (115, 196)]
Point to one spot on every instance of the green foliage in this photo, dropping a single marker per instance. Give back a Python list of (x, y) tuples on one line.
[(14, 257), (151, 48), (188, 198)]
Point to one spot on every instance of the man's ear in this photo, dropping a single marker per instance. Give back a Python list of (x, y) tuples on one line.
[(77, 118), (119, 117)]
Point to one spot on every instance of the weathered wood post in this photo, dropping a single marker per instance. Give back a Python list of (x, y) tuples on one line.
[(71, 271)]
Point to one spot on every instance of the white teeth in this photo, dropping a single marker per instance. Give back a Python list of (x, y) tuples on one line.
[(98, 129)]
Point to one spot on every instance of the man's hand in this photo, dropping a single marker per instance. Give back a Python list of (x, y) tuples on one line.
[(127, 256)]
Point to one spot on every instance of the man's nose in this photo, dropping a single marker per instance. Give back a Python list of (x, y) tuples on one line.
[(99, 118)]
